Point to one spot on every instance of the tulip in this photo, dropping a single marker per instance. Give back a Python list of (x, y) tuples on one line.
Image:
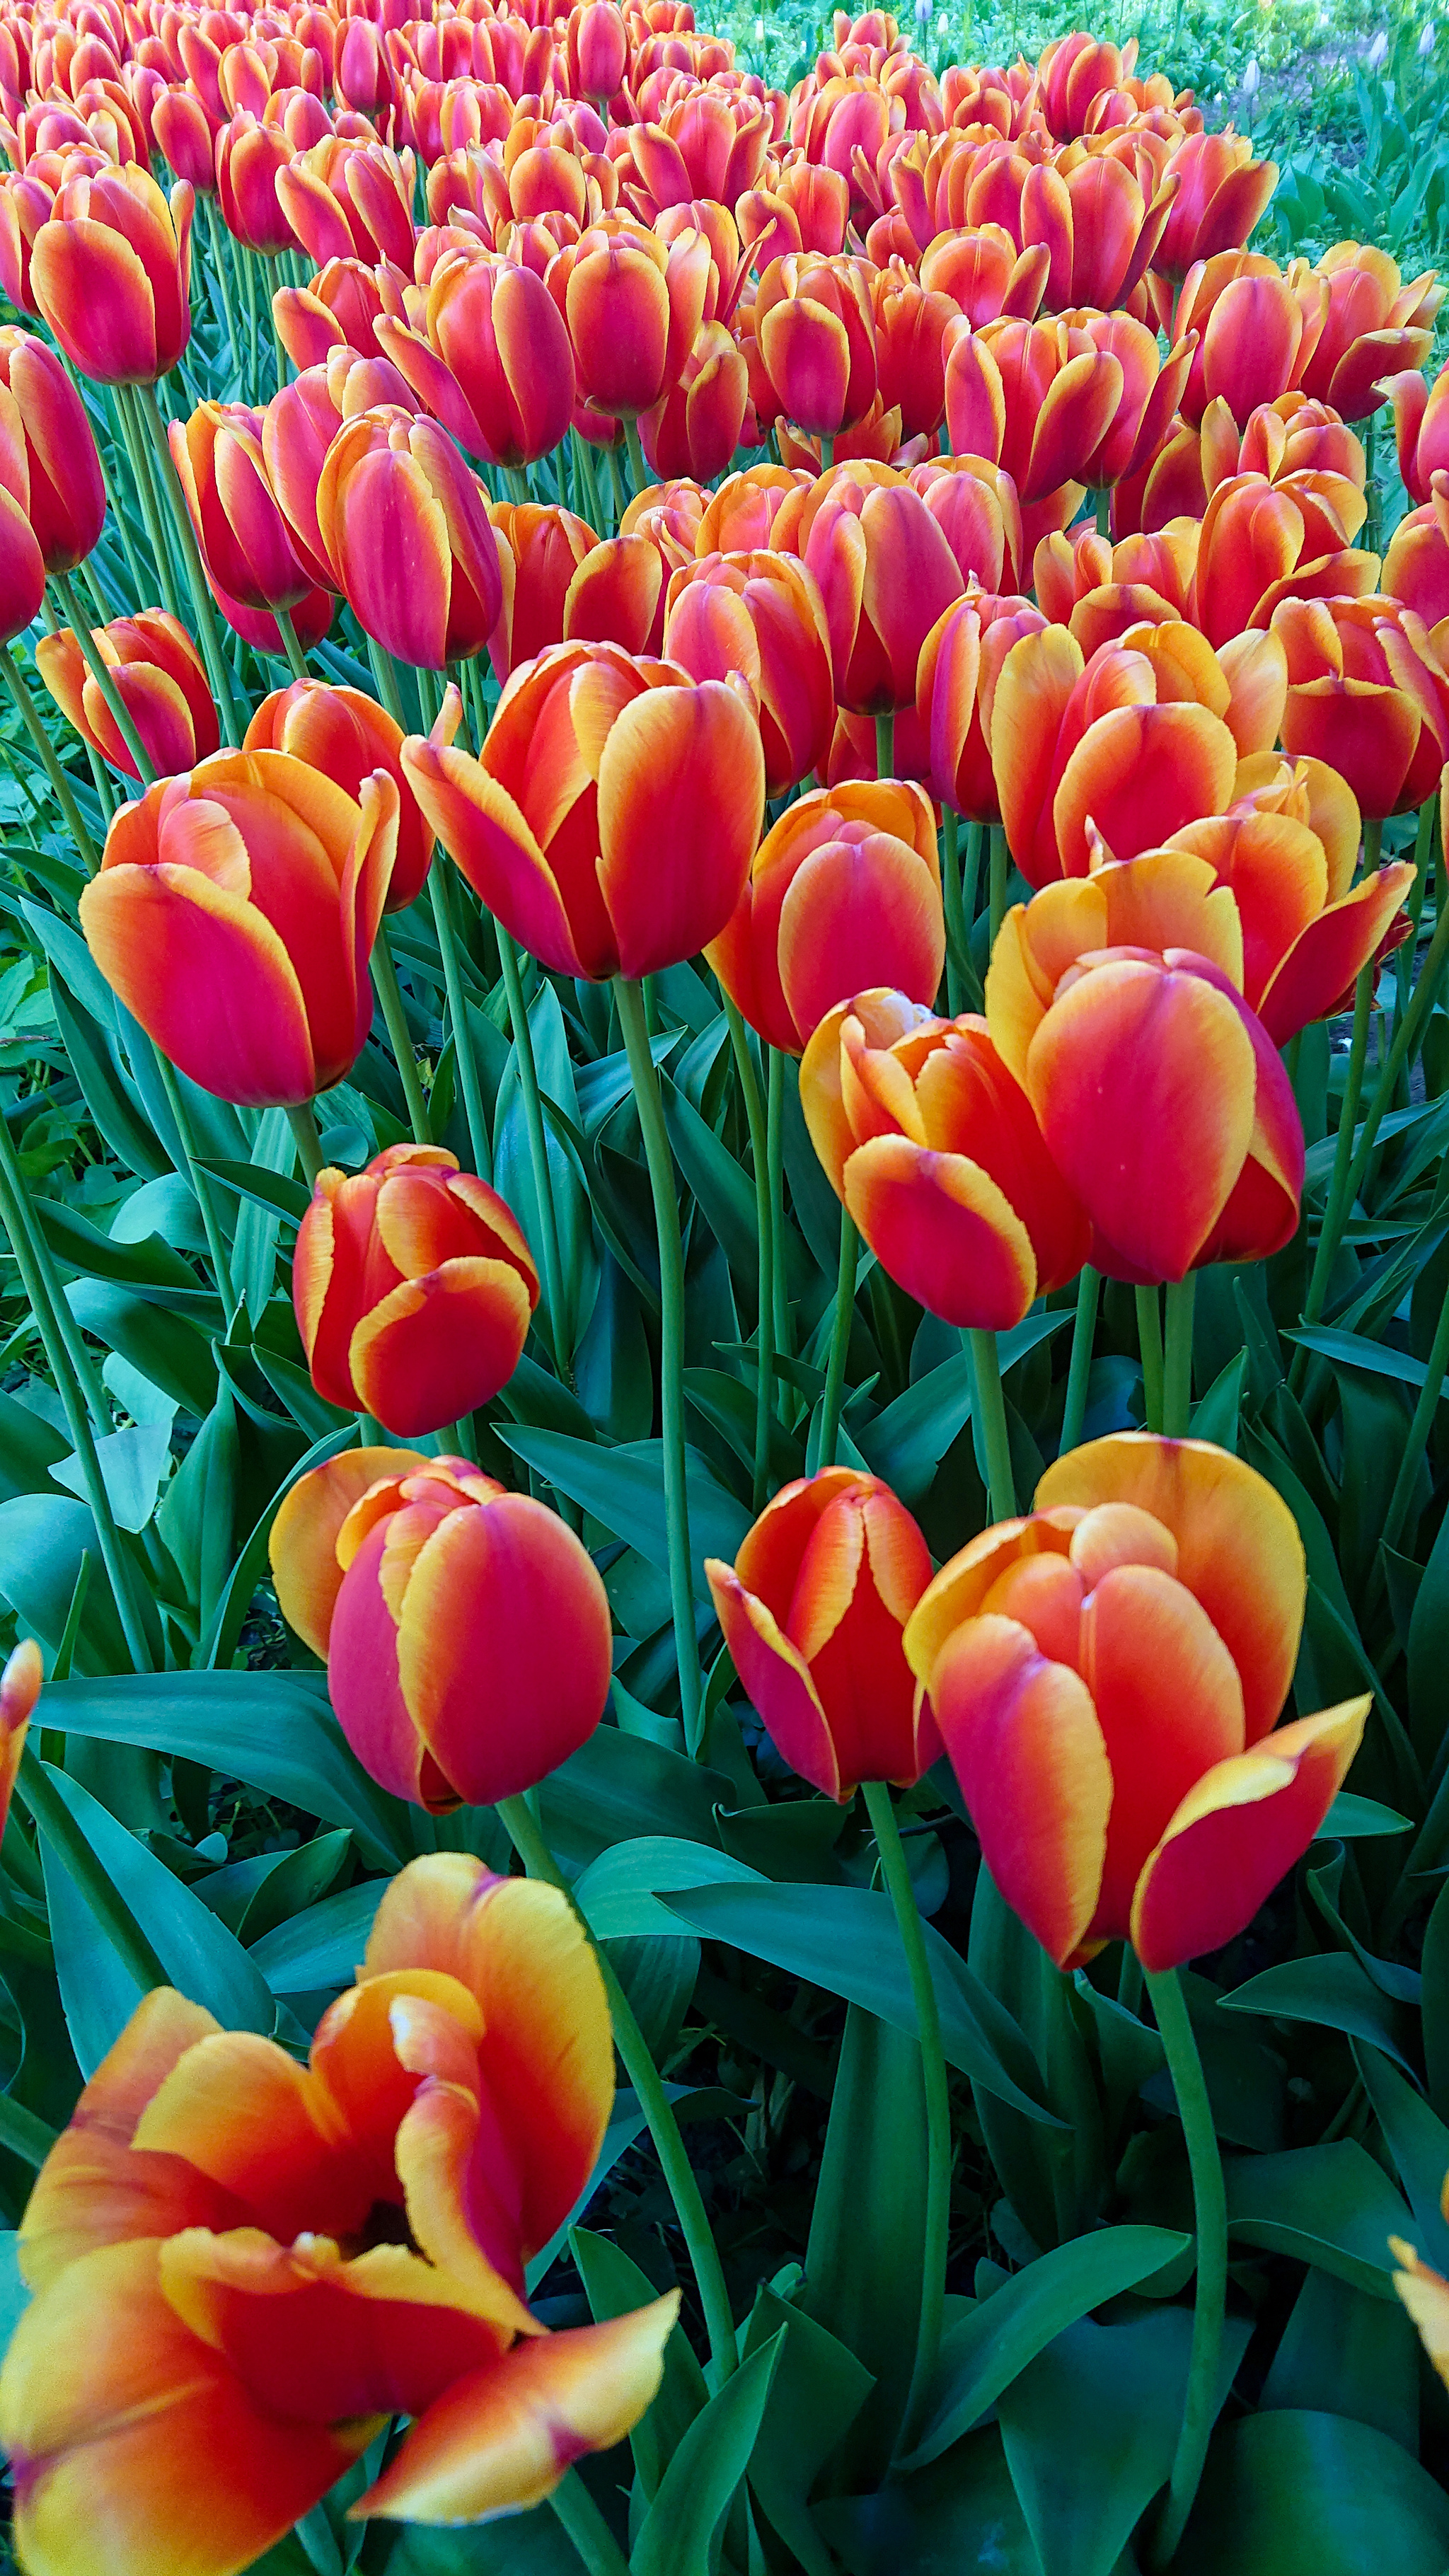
[(886, 572), (548, 546), (616, 595), (496, 365), (66, 505), (243, 2266), (696, 428), (739, 516), (1221, 194), (934, 1151), (1106, 1674), (405, 529), (25, 204), (624, 848), (1036, 397), (338, 310), (111, 273), (1369, 694), (250, 159), (413, 1287), (960, 664), (815, 332), (234, 915), (1375, 325), (185, 133), (633, 309), (1116, 1003), (986, 275), (1425, 2292), (598, 49), (22, 565), (1416, 567), (348, 736), (705, 145), (1263, 542), (760, 615), (847, 883), (159, 676), (671, 516), (911, 322), (246, 546), (1421, 428), (412, 1575), (813, 1611), (343, 197), (19, 1690)]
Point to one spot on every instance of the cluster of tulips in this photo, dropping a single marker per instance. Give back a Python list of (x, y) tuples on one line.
[(706, 470)]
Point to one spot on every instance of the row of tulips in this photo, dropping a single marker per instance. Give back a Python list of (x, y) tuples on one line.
[(695, 476)]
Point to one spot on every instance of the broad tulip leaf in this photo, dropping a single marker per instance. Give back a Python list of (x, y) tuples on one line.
[(618, 1892), (1344, 2352), (866, 2248), (624, 1488), (700, 2482), (1418, 2141), (617, 1786), (1331, 2205), (959, 2515), (613, 2283), (1297, 2494), (819, 2390), (1333, 1990)]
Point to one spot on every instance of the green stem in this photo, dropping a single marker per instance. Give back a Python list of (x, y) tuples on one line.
[(881, 1810), (1084, 1330), (639, 472), (389, 994), (1104, 509), (559, 1320), (839, 1340), (199, 1180), (302, 1119), (593, 2541), (1177, 1357), (87, 852), (1341, 1183), (134, 442), (827, 451), (1419, 1429), (1149, 1343), (104, 678), (439, 894), (532, 1848), (629, 1002), (885, 754), (287, 629), (222, 274), (201, 601), (1000, 863), (764, 1230), (1210, 2210), (775, 1163), (52, 1817), (991, 1418)]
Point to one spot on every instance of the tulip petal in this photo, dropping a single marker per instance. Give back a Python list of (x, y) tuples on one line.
[(246, 2114), (365, 1685), (95, 294), (207, 977), (1139, 774), (776, 1681), (437, 1347), (481, 828), (1024, 1742), (303, 1543), (1324, 961), (501, 2439), (1236, 1834), (682, 771), (944, 1231), (856, 909)]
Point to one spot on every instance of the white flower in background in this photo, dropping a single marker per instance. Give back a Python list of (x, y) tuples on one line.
[(923, 12), (1251, 77), (1378, 52), (1426, 41), (759, 31)]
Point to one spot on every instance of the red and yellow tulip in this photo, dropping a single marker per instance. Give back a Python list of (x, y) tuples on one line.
[(347, 735), (159, 677), (110, 271), (761, 615)]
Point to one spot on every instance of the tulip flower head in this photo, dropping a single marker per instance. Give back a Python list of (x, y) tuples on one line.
[(466, 1631), (813, 1610), (66, 502), (110, 271), (1106, 1675), (234, 915), (413, 1287), (405, 528), (19, 1690), (159, 676), (243, 2267), (760, 615), (347, 735)]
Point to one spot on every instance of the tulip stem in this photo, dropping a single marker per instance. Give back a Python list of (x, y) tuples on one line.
[(936, 2232), (198, 1179), (629, 1002), (586, 2527), (52, 1817), (559, 1321), (1340, 1186), (885, 746), (104, 678), (221, 274), (1149, 1343), (953, 892), (1210, 2211), (206, 626), (302, 1119), (531, 1845), (440, 897), (1419, 1429), (287, 629), (995, 1443), (389, 994), (1000, 862), (775, 1162), (1104, 509), (30, 717), (764, 1231), (839, 1340), (1177, 1357), (638, 470), (1079, 1371), (135, 446)]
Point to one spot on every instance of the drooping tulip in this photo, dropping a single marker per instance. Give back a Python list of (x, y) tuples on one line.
[(347, 735), (405, 529), (761, 615), (111, 273), (234, 915), (1106, 1674), (847, 883), (813, 1610), (243, 2266), (612, 815), (932, 1146), (159, 676), (412, 1575), (413, 1287)]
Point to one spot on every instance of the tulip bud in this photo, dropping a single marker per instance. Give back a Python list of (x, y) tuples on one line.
[(159, 678), (414, 1575), (19, 1690), (1251, 77), (813, 1611), (1425, 46), (1378, 52)]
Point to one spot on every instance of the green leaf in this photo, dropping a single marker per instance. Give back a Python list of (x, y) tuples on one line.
[(1345, 2353), (619, 1785), (1333, 1990), (845, 1939), (280, 1193), (624, 1488), (1351, 1817), (43, 1538), (132, 1463), (618, 1892), (983, 2352), (1329, 2205), (720, 1185), (320, 1948), (1288, 2493), (960, 2517), (1418, 2141), (518, 2544), (149, 1267), (700, 2482), (163, 1345), (1354, 1350), (864, 2257), (819, 2390), (1216, 1416), (613, 2284)]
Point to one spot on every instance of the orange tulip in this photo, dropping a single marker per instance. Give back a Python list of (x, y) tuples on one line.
[(185, 135), (670, 515), (405, 530), (1221, 194), (344, 196), (348, 736), (26, 202), (413, 1287), (697, 427), (598, 46), (249, 552), (1368, 692), (739, 516), (1263, 542), (158, 673), (815, 331), (847, 883), (244, 2266), (20, 1684), (633, 308), (1375, 324), (911, 322), (1421, 427), (1106, 1674), (624, 848), (956, 675), (1257, 330), (110, 271), (412, 1575), (933, 1148), (1416, 567), (760, 615), (1287, 440), (813, 1610), (1036, 397), (1116, 1002), (234, 915), (886, 571), (548, 545), (495, 363), (66, 501), (250, 160), (337, 310), (705, 145), (616, 594)]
